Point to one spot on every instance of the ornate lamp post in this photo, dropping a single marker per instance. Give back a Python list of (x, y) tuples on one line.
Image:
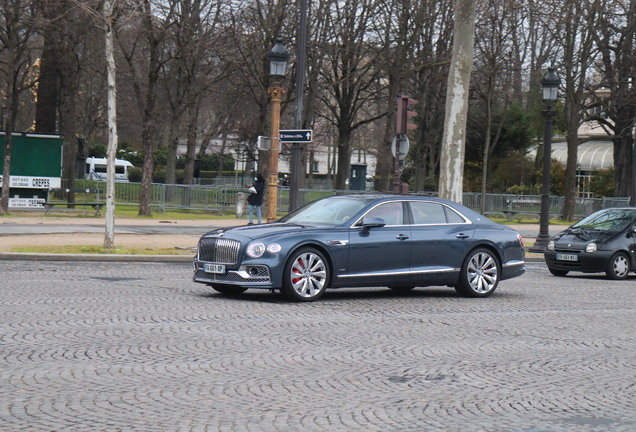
[(550, 84), (278, 57)]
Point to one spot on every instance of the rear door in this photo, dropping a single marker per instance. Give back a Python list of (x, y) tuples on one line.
[(439, 239)]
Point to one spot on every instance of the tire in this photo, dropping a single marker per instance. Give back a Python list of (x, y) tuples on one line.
[(479, 275), (402, 288), (306, 275), (229, 290), (558, 272), (618, 266)]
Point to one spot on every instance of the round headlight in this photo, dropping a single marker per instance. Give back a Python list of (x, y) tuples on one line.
[(551, 245), (255, 249), (591, 248), (274, 248)]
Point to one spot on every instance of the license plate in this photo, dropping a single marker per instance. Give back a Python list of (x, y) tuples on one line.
[(567, 257), (214, 268)]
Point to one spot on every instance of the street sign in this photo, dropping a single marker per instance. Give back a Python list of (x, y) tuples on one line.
[(298, 136), (404, 146)]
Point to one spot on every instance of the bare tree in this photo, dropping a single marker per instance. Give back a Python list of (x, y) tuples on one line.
[(349, 75), (143, 51), (491, 76), (616, 38), (16, 32), (574, 30)]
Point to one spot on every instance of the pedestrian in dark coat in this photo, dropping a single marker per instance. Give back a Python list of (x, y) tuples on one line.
[(255, 200)]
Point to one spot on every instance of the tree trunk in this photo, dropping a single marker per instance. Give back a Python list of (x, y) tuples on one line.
[(454, 140), (188, 172), (109, 238), (344, 159), (46, 107), (173, 144)]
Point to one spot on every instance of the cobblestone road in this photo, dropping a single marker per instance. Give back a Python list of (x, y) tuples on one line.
[(139, 347)]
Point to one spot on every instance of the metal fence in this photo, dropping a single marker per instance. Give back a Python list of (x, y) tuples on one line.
[(223, 199)]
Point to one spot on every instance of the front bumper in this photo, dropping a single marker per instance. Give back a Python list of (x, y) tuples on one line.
[(587, 262), (248, 275)]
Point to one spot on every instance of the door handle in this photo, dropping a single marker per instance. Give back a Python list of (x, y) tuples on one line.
[(401, 237), (462, 236)]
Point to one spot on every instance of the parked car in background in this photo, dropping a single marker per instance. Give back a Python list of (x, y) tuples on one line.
[(602, 242), (396, 241), (96, 169)]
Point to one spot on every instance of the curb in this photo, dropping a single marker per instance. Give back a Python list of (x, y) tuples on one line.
[(25, 256)]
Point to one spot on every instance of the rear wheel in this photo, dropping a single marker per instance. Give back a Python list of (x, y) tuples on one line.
[(305, 276), (229, 290), (618, 266), (479, 275), (559, 272)]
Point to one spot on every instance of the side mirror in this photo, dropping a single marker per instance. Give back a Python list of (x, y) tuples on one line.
[(372, 222)]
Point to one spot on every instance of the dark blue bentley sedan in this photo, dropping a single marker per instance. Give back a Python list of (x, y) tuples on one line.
[(397, 241)]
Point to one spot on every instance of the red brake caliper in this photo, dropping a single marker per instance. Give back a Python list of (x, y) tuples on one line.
[(295, 270)]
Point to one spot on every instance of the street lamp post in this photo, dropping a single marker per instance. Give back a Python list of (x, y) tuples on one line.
[(550, 84), (278, 57)]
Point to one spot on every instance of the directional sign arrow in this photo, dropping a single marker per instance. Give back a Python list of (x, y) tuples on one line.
[(298, 136)]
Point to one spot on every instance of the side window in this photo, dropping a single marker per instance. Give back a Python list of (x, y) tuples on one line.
[(427, 213), (391, 213), (453, 217)]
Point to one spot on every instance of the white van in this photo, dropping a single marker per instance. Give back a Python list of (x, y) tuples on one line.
[(96, 169)]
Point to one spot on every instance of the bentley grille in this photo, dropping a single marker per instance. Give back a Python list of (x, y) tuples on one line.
[(219, 250)]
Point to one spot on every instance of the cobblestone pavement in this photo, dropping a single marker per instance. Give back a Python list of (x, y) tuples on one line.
[(139, 347)]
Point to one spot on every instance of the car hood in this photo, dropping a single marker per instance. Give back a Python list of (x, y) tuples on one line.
[(252, 232), (580, 237)]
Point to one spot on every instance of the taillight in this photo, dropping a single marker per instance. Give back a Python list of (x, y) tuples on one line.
[(520, 239)]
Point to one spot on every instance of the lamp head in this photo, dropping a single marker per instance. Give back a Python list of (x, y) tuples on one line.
[(278, 57), (550, 85)]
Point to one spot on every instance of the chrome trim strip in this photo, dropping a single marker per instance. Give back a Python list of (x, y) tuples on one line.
[(337, 242), (436, 271), (514, 263), (376, 274)]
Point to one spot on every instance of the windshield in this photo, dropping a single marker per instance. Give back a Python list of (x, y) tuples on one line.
[(607, 220), (329, 211)]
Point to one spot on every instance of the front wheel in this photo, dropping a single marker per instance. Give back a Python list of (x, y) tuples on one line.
[(618, 266), (479, 274), (305, 276), (558, 272)]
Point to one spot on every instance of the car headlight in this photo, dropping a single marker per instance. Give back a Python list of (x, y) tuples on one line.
[(591, 248), (274, 248), (551, 245), (255, 249)]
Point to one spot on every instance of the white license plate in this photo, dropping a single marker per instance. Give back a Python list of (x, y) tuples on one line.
[(567, 257), (214, 268)]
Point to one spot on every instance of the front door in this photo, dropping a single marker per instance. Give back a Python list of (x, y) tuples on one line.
[(380, 256)]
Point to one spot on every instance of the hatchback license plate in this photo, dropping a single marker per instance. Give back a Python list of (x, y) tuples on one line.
[(567, 257), (214, 268)]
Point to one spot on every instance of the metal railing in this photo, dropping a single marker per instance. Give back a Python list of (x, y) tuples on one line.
[(223, 199)]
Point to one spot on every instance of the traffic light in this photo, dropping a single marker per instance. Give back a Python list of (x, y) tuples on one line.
[(403, 114)]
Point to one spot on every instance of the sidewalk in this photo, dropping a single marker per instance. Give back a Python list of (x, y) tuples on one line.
[(37, 230), (149, 233)]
